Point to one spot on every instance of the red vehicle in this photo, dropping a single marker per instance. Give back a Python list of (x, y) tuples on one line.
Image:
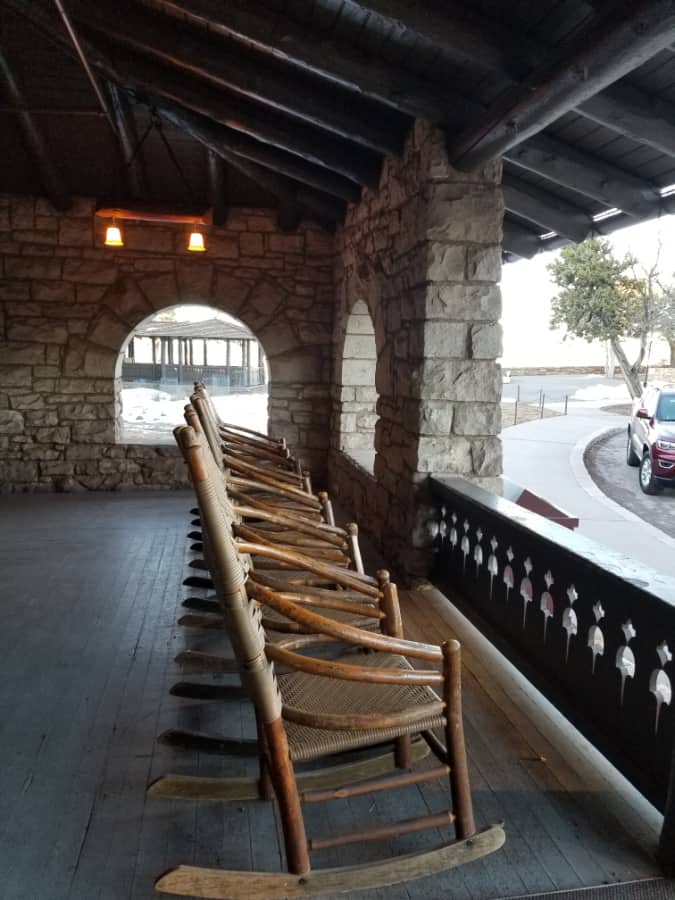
[(651, 438)]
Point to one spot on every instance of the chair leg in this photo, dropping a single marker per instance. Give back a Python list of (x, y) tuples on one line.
[(393, 626), (454, 738), (286, 790)]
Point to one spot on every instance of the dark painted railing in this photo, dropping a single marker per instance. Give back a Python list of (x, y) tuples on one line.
[(592, 630), (220, 376)]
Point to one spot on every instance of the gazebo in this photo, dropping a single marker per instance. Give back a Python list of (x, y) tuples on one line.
[(213, 351)]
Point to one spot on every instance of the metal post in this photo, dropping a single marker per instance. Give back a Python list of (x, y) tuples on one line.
[(567, 397), (543, 400), (515, 409)]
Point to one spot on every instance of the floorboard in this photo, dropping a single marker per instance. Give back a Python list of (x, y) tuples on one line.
[(90, 597)]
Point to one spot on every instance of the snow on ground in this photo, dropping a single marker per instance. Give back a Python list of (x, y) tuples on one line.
[(150, 415), (603, 393)]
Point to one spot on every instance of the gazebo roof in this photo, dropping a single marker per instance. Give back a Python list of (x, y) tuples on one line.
[(207, 329), (297, 102)]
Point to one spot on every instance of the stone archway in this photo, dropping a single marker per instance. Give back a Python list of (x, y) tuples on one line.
[(358, 412)]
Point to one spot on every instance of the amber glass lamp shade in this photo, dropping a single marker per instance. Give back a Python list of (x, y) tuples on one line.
[(113, 236), (196, 242)]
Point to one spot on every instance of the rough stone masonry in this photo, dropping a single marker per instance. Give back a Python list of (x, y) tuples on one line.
[(67, 304)]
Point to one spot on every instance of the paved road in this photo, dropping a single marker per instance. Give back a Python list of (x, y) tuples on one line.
[(557, 387), (540, 455), (606, 463)]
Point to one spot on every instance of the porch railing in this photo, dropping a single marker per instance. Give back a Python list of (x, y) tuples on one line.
[(594, 631), (220, 376)]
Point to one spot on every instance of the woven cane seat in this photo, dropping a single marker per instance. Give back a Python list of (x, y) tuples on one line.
[(313, 693)]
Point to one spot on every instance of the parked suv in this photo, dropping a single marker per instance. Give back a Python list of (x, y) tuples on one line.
[(651, 438)]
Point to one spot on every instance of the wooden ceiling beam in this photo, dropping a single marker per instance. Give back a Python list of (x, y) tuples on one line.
[(635, 114), (615, 47), (288, 92), (51, 179), (217, 187), (544, 209), (586, 174), (125, 127), (519, 240), (288, 192), (334, 60), (312, 145)]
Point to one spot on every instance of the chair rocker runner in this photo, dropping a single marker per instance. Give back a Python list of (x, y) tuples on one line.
[(321, 708)]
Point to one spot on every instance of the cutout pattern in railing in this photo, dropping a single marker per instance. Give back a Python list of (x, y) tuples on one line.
[(599, 646)]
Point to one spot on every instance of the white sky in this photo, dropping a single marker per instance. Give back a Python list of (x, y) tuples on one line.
[(526, 296), (527, 291)]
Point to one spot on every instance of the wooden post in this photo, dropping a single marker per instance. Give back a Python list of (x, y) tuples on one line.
[(454, 741)]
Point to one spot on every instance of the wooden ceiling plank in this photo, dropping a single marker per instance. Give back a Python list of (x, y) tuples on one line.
[(289, 92), (630, 111), (212, 136), (313, 145), (50, 177), (125, 127), (544, 209), (520, 240), (332, 59), (283, 187), (217, 187), (595, 62), (585, 174)]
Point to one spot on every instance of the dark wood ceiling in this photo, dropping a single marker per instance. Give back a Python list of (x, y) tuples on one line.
[(295, 103)]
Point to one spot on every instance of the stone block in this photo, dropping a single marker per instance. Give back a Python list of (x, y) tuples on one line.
[(14, 290), (27, 401), (33, 267), (41, 418), (484, 263), (443, 340), (477, 418), (428, 417), (18, 472), (286, 243), (195, 280), (465, 302), (90, 271), (128, 302), (45, 331), (464, 212), (11, 421), (444, 454), (15, 376), (444, 262), (108, 331), (266, 297), (297, 367), (160, 289), (487, 457), (93, 432), (360, 346), (22, 212), (22, 353), (56, 468), (358, 372), (100, 362), (34, 236), (60, 435), (456, 380), (148, 239), (251, 244), (277, 338), (486, 341)]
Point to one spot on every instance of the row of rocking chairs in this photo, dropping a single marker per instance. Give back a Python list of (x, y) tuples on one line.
[(319, 648)]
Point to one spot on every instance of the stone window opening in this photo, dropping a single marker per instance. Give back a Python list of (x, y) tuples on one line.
[(358, 416), (167, 352)]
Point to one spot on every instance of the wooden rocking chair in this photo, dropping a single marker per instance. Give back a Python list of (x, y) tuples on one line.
[(328, 706)]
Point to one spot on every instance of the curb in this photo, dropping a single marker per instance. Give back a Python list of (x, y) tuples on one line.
[(587, 484)]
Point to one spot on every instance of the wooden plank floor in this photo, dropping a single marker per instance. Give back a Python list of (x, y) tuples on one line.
[(90, 596)]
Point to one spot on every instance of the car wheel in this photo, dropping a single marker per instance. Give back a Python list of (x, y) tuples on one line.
[(631, 456), (648, 483)]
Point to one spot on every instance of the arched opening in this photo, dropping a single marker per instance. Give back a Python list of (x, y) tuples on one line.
[(167, 352), (358, 415)]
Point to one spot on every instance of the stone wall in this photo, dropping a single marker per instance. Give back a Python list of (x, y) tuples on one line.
[(67, 304), (423, 252)]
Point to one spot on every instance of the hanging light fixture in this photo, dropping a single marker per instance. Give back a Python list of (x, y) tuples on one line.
[(196, 242), (113, 236)]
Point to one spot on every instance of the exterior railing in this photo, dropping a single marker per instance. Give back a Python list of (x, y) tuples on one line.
[(595, 632), (217, 376)]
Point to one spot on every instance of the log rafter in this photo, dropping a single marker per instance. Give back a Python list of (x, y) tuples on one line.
[(285, 91), (50, 177)]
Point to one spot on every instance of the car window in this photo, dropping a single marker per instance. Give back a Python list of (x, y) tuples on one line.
[(666, 408), (649, 401)]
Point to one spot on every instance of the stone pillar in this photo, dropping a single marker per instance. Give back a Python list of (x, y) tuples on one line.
[(425, 251)]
